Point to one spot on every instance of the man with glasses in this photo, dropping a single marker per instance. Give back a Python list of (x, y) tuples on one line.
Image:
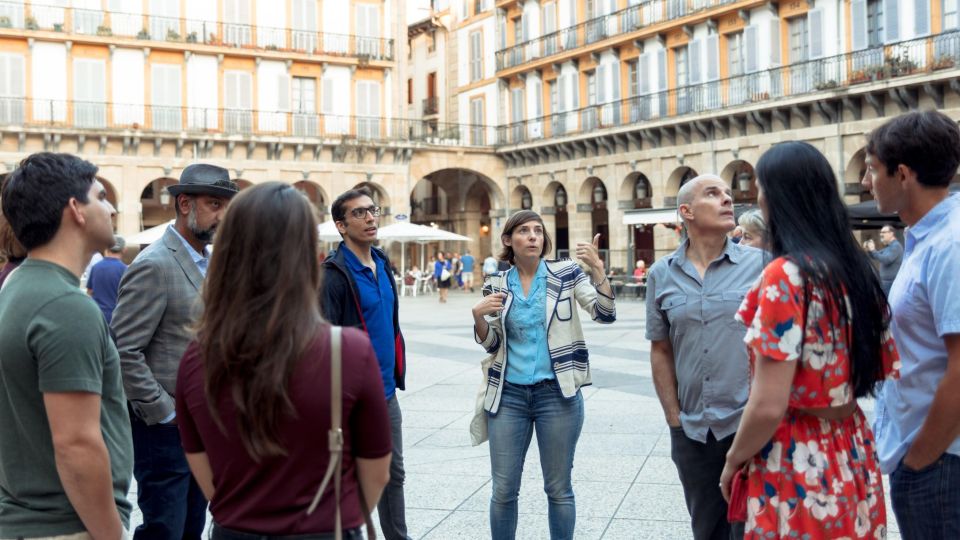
[(359, 290), (889, 257)]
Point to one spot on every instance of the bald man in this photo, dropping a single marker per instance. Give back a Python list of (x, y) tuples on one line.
[(697, 352)]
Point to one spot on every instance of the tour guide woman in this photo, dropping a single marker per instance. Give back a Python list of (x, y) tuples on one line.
[(528, 319)]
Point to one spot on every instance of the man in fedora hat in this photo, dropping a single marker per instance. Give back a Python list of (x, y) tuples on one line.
[(157, 303)]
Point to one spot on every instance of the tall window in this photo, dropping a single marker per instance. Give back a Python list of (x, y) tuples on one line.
[(409, 91), (799, 40), (238, 102), (476, 56), (11, 88), (89, 93), (304, 103), (236, 19), (476, 121), (368, 30), (549, 27), (304, 25), (874, 23), (334, 122), (166, 97), (516, 114), (164, 18), (736, 54), (682, 59), (368, 109), (590, 115), (950, 19)]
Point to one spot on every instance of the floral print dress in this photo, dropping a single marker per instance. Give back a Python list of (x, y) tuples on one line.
[(816, 478)]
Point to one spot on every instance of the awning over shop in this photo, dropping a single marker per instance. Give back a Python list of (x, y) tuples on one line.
[(650, 216)]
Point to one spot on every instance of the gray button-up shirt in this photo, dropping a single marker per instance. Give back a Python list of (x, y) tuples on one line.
[(697, 316)]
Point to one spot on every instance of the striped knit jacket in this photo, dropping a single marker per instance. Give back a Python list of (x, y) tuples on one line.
[(566, 283)]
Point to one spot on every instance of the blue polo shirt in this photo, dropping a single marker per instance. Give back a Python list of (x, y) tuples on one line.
[(377, 302), (104, 281)]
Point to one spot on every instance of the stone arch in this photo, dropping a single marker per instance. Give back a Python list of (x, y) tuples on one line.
[(734, 174), (586, 193), (380, 195), (680, 176), (316, 195), (630, 190), (428, 201), (853, 174), (556, 196), (594, 194), (157, 205), (521, 198)]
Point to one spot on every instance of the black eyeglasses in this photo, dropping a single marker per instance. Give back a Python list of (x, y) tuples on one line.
[(361, 212)]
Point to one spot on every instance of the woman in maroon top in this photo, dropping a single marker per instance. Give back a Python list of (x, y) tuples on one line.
[(253, 390)]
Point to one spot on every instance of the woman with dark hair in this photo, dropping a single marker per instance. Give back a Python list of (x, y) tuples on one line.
[(528, 319), (10, 249), (253, 390), (818, 336)]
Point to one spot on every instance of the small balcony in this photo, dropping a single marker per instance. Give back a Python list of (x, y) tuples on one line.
[(147, 27), (842, 72), (431, 106)]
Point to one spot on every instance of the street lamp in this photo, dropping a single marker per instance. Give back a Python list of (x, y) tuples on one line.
[(641, 189), (743, 181), (526, 202), (560, 198), (599, 194)]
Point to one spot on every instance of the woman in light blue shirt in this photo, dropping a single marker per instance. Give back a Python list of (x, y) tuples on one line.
[(528, 320)]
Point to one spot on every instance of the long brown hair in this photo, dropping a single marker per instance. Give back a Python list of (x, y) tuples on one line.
[(260, 310), (514, 221)]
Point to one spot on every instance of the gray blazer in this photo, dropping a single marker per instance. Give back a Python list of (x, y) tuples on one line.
[(159, 298)]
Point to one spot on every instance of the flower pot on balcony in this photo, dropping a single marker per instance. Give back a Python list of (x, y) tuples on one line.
[(192, 37), (143, 34), (30, 23), (5, 22), (944, 62), (104, 31)]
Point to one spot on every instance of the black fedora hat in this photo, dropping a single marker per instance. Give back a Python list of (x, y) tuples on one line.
[(204, 179)]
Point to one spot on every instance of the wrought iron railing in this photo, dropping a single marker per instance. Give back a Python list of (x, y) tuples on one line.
[(161, 28), (599, 28), (845, 70), (26, 112)]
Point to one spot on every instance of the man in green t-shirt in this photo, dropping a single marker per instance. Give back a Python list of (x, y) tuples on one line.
[(66, 454)]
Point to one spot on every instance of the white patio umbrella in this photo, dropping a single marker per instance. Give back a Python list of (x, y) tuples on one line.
[(328, 232), (404, 231), (148, 236)]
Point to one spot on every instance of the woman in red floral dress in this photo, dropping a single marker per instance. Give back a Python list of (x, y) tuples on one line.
[(818, 336)]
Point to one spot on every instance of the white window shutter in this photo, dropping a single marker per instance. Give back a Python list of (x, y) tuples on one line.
[(921, 18), (327, 96), (858, 17), (891, 21), (561, 85), (695, 55), (815, 32), (713, 57), (774, 43), (614, 93), (575, 89), (283, 93), (662, 70), (644, 74), (751, 46)]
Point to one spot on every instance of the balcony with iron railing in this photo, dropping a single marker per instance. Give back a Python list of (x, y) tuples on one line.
[(431, 106), (846, 71), (31, 114), (600, 28), (92, 22)]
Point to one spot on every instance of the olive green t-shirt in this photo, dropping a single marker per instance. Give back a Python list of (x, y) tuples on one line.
[(53, 338)]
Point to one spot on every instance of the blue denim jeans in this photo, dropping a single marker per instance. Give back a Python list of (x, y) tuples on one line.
[(171, 501), (558, 422), (927, 502)]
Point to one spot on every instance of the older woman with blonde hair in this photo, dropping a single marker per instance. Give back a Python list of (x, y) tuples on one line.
[(754, 229)]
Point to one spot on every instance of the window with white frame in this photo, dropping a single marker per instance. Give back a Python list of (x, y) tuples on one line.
[(304, 27), (368, 109), (12, 88), (303, 94), (236, 22), (164, 19), (368, 30), (476, 121), (89, 93), (166, 99), (237, 102), (476, 56)]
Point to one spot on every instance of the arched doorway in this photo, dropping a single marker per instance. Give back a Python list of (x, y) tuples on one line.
[(557, 194), (593, 193), (521, 198), (156, 203), (380, 197), (637, 189), (314, 193), (741, 177)]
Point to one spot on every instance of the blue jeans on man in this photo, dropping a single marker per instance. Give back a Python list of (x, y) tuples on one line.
[(925, 501), (169, 498), (557, 421)]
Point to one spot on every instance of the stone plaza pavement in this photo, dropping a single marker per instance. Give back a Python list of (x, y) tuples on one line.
[(625, 483)]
